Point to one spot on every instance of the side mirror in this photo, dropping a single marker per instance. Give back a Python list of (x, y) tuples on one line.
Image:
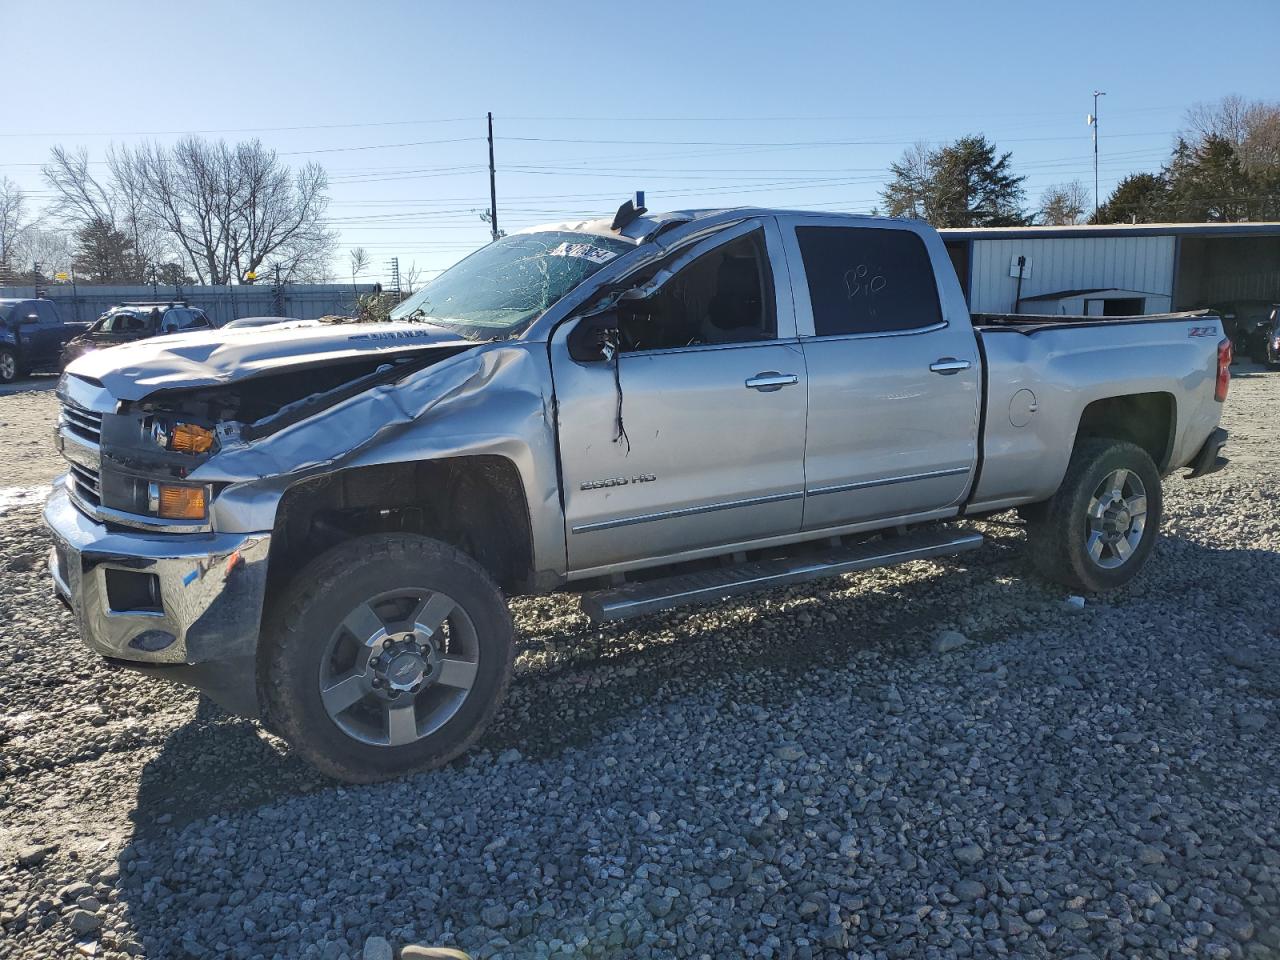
[(30, 318), (595, 338)]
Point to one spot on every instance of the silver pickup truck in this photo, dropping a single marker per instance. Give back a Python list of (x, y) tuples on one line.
[(318, 525)]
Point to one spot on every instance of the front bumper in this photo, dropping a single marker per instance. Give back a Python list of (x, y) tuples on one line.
[(185, 606)]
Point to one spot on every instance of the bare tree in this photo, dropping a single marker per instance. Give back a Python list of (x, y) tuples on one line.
[(78, 196), (223, 211), (1064, 204), (49, 247), (410, 278), (13, 204), (359, 262), (116, 203), (1251, 127), (908, 196)]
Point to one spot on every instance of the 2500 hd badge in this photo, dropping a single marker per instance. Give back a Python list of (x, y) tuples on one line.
[(617, 482)]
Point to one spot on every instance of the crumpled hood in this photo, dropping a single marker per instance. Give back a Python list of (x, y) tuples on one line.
[(208, 358)]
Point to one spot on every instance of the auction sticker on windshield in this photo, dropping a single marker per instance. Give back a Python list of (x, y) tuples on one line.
[(583, 251)]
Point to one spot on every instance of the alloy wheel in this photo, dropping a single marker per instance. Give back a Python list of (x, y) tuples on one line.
[(399, 666), (1117, 518)]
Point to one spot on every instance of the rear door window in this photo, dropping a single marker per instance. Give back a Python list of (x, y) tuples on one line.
[(864, 280)]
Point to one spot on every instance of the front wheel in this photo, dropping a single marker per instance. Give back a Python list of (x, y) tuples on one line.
[(386, 654), (8, 365), (1097, 531)]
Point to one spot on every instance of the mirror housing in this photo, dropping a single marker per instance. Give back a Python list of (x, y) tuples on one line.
[(29, 319), (595, 338)]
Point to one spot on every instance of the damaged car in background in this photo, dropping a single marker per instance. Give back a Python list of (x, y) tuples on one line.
[(318, 526)]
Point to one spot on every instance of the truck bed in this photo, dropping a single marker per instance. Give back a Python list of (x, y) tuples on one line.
[(1041, 373)]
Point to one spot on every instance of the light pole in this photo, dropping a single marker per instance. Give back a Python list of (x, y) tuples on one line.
[(1093, 122)]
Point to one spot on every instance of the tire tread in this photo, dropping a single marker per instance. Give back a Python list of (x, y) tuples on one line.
[(1052, 532), (281, 635)]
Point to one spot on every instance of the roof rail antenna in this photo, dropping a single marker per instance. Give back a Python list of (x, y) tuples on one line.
[(629, 212)]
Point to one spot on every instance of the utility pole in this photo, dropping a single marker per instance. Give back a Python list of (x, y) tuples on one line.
[(493, 186), (1093, 122)]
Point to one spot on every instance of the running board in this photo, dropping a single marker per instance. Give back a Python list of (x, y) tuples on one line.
[(707, 586)]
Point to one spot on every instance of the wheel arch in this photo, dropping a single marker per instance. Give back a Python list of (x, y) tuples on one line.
[(476, 503), (1149, 420)]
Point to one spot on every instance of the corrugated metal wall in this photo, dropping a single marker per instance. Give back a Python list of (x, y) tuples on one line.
[(306, 301), (1071, 263)]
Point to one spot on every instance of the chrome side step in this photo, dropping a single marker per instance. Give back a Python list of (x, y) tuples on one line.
[(707, 586)]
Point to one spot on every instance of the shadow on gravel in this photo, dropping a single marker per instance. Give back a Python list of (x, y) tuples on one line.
[(36, 383), (217, 765)]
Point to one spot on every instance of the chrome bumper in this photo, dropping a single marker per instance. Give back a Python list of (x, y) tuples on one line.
[(203, 593)]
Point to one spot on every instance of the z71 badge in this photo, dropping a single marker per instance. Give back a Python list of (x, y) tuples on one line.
[(617, 482), (1201, 331)]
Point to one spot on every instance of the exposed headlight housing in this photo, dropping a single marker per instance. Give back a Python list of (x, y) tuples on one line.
[(181, 437)]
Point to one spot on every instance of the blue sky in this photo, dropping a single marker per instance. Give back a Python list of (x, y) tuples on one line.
[(700, 104)]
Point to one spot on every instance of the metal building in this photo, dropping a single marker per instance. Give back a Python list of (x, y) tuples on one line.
[(1120, 269)]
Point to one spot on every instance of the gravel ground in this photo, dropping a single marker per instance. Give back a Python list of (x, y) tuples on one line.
[(805, 773)]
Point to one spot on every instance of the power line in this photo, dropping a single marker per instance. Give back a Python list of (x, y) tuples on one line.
[(309, 126), (800, 143), (378, 146)]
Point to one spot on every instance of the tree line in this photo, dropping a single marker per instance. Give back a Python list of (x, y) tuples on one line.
[(1224, 166), (198, 211)]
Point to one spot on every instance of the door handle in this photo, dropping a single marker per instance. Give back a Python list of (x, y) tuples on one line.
[(949, 365), (771, 380)]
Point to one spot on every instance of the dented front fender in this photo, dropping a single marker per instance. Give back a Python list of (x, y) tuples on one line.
[(495, 399)]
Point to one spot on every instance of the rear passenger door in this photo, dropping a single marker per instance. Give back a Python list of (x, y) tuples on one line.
[(893, 382)]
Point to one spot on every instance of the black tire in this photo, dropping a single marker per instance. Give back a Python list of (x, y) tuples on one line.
[(298, 632), (1058, 540), (9, 371)]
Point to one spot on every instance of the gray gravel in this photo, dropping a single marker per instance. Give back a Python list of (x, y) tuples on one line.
[(945, 759)]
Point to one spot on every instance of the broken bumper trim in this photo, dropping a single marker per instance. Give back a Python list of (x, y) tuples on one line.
[(204, 601), (1208, 460)]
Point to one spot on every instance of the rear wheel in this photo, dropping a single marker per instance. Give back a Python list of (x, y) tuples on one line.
[(387, 654), (1097, 531), (8, 365)]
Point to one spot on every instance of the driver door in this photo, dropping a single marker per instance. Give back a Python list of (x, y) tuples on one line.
[(694, 442)]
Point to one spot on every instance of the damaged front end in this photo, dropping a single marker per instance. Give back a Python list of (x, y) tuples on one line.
[(152, 451), (164, 525)]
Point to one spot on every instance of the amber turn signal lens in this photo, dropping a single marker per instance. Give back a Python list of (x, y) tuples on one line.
[(181, 503), (189, 438)]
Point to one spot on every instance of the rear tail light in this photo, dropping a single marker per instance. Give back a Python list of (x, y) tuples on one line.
[(1224, 370)]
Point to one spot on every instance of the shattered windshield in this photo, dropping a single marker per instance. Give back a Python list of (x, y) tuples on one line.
[(501, 288)]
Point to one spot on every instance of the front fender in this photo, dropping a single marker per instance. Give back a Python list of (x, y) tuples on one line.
[(494, 400)]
